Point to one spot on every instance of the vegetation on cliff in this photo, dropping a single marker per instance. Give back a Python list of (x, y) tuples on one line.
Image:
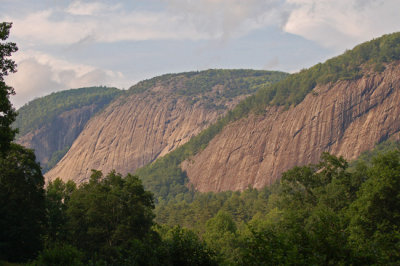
[(41, 111), (349, 66), (164, 176), (50, 113), (203, 85)]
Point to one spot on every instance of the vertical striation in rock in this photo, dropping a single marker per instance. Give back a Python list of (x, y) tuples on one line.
[(59, 134), (136, 129), (344, 118)]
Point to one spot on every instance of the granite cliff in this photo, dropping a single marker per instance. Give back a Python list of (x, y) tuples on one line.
[(344, 118), (153, 118), (50, 124)]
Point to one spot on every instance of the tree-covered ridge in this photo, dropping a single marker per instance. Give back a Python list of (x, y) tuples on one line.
[(165, 177), (348, 66), (200, 83), (43, 110)]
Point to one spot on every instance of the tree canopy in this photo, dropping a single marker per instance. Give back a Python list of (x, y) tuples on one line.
[(22, 209), (7, 112)]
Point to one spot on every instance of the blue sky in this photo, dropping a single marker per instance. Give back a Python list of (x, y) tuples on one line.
[(71, 44)]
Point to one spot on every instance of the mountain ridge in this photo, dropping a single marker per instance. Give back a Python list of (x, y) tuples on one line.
[(365, 59), (154, 117), (344, 118)]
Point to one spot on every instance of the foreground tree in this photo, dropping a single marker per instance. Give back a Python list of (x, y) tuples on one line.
[(109, 214), (22, 210), (7, 112), (58, 194), (375, 215)]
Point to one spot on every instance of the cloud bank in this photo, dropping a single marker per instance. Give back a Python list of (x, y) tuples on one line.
[(341, 24), (333, 24), (330, 23), (40, 74)]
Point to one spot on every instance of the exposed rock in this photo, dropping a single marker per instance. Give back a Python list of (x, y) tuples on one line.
[(59, 134), (135, 130), (344, 118)]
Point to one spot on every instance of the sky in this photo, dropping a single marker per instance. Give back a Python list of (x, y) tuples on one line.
[(72, 44)]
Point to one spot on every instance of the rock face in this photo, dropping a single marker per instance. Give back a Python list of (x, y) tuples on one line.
[(58, 135), (136, 129), (344, 118), (50, 124)]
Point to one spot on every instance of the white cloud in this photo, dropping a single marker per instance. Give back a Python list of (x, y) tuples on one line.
[(39, 28), (229, 18), (341, 24), (183, 20), (87, 9), (101, 23), (334, 24), (40, 74)]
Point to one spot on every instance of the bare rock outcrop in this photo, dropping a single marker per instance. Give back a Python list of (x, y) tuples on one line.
[(136, 129), (58, 135), (344, 118)]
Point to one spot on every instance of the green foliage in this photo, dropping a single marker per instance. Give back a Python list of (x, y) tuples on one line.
[(109, 221), (22, 205), (58, 195), (193, 210), (44, 110), (383, 147), (375, 214), (322, 214), (105, 214), (185, 248), (266, 247), (235, 82), (221, 236), (60, 255), (7, 112)]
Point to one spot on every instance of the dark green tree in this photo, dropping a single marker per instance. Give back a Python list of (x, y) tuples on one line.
[(108, 214), (185, 248), (7, 112), (220, 235), (375, 215), (58, 194), (59, 255), (22, 210)]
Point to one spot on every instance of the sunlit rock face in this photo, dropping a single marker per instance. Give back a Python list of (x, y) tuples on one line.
[(344, 118)]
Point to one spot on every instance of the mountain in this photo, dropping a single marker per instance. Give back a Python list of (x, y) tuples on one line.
[(343, 106), (50, 124), (156, 116), (345, 118)]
